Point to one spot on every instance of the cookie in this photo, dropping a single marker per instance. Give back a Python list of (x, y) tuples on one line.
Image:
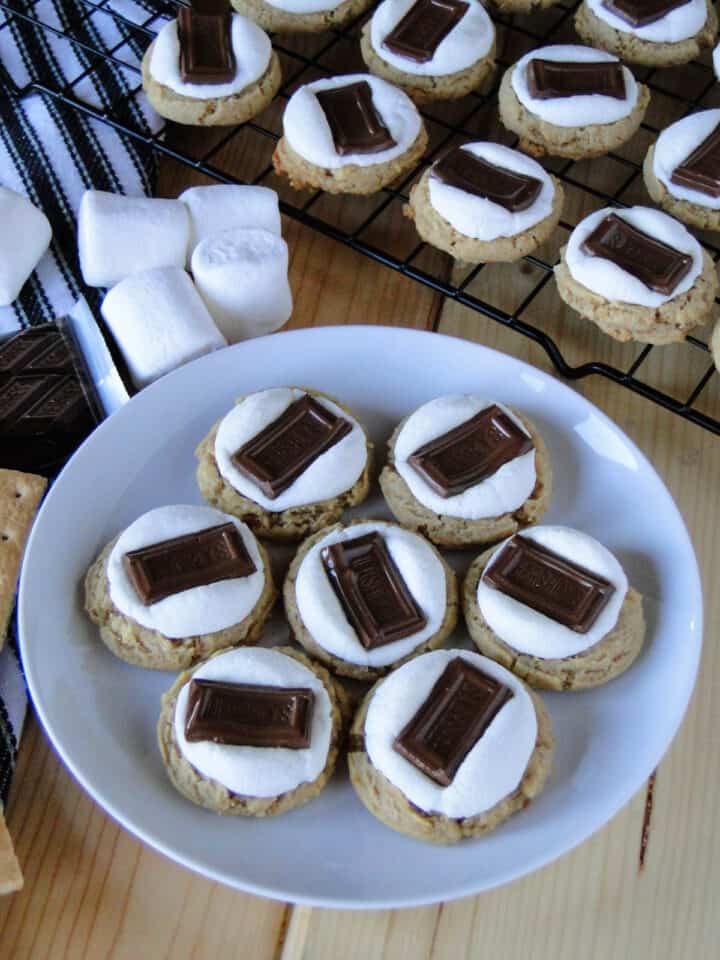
[(663, 283), (680, 170), (320, 455), (562, 617), (463, 470), (558, 105), (352, 134), (263, 742), (521, 6), (291, 16), (178, 584), (488, 755), (433, 51), (485, 203), (249, 90), (20, 496), (668, 33), (368, 596)]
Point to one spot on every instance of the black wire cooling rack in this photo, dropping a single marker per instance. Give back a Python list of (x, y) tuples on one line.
[(519, 296)]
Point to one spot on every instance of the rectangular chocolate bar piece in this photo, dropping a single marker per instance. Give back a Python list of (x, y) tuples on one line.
[(639, 13), (656, 264), (275, 457), (554, 586), (423, 28), (701, 169), (548, 79), (248, 715), (204, 34), (371, 590), (46, 410), (355, 124), (193, 560), (470, 453), (461, 169), (460, 707)]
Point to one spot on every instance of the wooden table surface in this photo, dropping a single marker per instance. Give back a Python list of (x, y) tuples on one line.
[(646, 885)]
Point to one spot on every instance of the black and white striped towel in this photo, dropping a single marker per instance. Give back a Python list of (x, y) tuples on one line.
[(51, 153)]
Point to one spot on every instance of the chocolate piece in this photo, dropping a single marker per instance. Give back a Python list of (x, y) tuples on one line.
[(46, 410), (192, 560), (551, 584), (470, 453), (639, 13), (462, 169), (204, 33), (371, 590), (548, 79), (248, 715), (701, 170), (459, 709), (656, 264), (274, 458), (355, 124), (423, 28)]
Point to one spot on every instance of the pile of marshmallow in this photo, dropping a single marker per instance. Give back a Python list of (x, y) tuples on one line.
[(229, 238)]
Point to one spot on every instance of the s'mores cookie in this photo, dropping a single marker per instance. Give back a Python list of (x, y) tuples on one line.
[(571, 101), (638, 274), (210, 67), (287, 461), (178, 584), (366, 597), (554, 606), (483, 202), (433, 49), (654, 33), (252, 732), (463, 470), (682, 170), (449, 746), (350, 134), (301, 16)]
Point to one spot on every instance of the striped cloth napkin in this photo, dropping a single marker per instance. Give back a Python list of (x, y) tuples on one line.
[(52, 153)]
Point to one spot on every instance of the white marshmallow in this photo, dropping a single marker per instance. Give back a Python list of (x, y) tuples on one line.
[(119, 235), (242, 277), (224, 206), (159, 322), (24, 238)]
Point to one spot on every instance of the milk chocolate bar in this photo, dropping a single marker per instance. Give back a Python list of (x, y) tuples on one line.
[(460, 707), (548, 79), (461, 169), (192, 560), (275, 457), (656, 264), (471, 452), (701, 169), (371, 590), (204, 33), (355, 124), (562, 590), (423, 28), (639, 13), (249, 715), (46, 407)]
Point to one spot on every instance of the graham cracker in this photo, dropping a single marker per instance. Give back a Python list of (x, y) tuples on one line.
[(20, 495), (11, 878)]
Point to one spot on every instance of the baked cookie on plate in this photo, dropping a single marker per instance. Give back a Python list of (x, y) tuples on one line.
[(465, 470), (571, 101), (449, 746), (554, 606), (638, 274), (252, 732), (210, 67), (484, 203), (178, 584)]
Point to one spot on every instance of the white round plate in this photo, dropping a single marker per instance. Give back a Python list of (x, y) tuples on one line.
[(101, 713)]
